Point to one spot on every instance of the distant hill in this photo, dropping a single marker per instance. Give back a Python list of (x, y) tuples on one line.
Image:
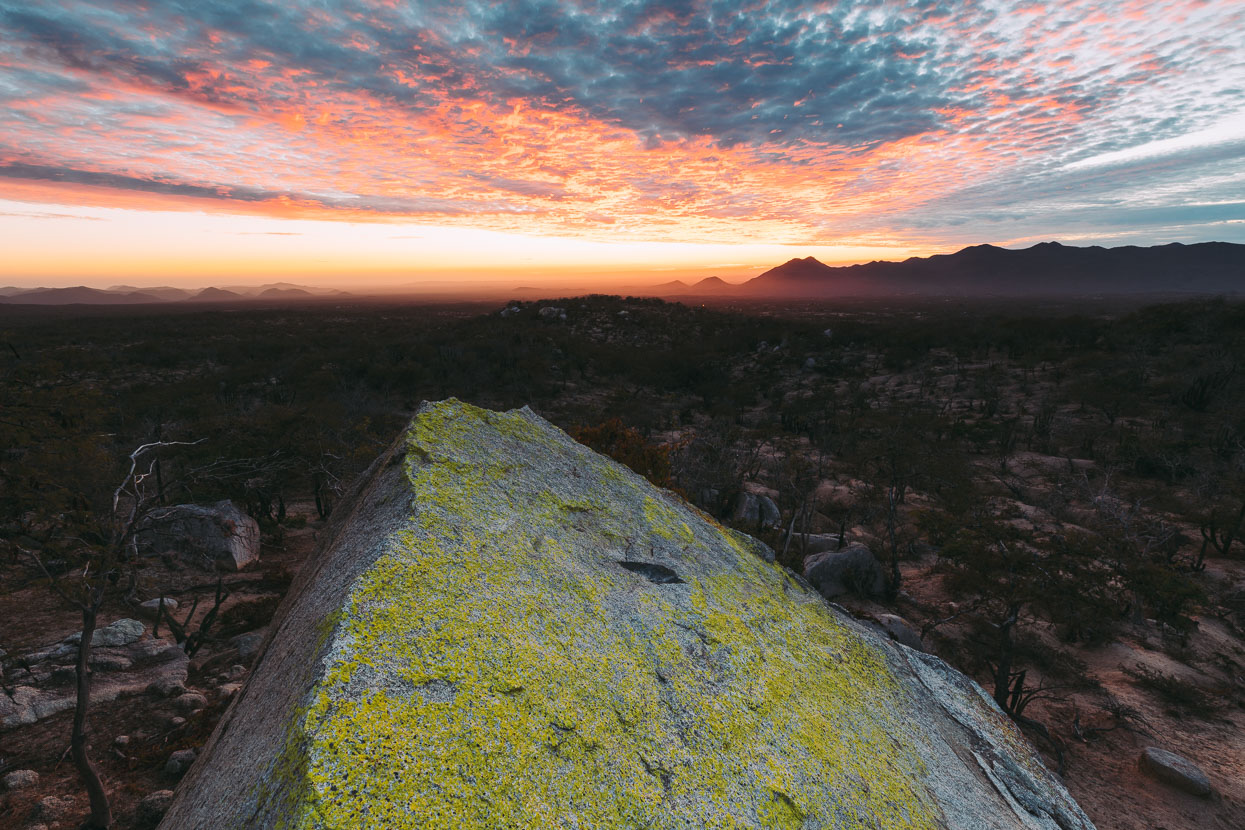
[(667, 289), (215, 295), (283, 294), (710, 285), (277, 286), (160, 292), (1045, 268), (78, 294), (129, 294)]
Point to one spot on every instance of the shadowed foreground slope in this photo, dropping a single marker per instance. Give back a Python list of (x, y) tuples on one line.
[(505, 629)]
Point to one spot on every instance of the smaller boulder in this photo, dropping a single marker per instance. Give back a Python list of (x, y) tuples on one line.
[(1176, 771), (153, 807), (852, 570), (51, 808), (189, 702), (901, 631), (19, 779), (817, 542), (179, 762), (173, 685), (152, 606), (755, 510), (248, 644), (119, 633), (219, 536), (228, 690)]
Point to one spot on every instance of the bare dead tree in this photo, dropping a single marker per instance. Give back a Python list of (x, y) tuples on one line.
[(101, 573)]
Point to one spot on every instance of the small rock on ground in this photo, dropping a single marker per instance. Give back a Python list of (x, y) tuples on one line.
[(20, 779), (53, 808), (153, 807), (247, 644), (901, 631), (180, 761), (120, 633), (1175, 770), (152, 606), (189, 702)]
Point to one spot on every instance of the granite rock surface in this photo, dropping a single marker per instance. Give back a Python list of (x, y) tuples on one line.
[(504, 629)]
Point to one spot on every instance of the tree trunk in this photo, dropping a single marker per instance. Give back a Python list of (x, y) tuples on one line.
[(159, 483), (1003, 672), (896, 577), (101, 813), (322, 502)]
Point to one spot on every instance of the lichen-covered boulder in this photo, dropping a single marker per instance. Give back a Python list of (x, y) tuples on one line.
[(217, 536), (503, 629)]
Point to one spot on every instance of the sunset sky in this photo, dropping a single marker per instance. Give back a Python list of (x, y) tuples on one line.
[(382, 142)]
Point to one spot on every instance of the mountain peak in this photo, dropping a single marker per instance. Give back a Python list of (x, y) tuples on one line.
[(1046, 268), (808, 268)]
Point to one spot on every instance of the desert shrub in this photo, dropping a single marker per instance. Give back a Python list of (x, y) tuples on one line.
[(1183, 695), (627, 446)]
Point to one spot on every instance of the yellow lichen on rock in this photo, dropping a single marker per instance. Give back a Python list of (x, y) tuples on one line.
[(545, 640), (489, 673)]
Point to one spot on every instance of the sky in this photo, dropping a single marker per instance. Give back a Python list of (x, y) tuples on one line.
[(381, 142)]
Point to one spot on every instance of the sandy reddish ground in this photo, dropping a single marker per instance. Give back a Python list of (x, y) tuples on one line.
[(1102, 774), (34, 617)]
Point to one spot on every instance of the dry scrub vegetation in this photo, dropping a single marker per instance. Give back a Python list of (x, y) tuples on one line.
[(1056, 493)]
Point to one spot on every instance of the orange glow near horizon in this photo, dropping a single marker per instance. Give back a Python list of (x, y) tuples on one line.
[(190, 249), (379, 144)]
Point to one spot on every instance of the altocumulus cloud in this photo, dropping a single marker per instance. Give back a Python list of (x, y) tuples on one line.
[(804, 121)]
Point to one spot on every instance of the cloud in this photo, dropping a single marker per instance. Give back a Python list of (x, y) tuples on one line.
[(230, 193), (801, 120), (47, 215)]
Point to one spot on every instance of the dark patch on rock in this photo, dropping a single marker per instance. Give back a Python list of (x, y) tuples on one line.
[(657, 574)]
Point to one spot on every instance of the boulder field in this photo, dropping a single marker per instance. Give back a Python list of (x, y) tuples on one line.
[(504, 629)]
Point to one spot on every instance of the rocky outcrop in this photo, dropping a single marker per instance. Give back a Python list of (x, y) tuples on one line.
[(219, 536), (123, 663), (504, 629)]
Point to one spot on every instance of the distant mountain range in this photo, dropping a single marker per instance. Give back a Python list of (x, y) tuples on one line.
[(1047, 268), (132, 295)]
